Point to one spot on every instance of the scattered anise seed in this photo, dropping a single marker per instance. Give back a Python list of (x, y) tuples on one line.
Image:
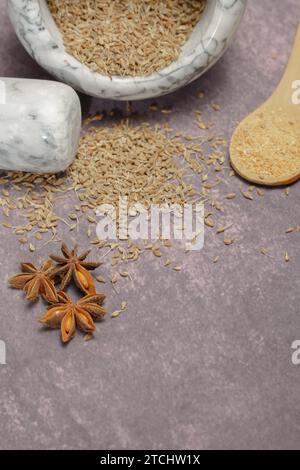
[(260, 192), (156, 252), (124, 274), (247, 195), (216, 107), (290, 230), (116, 313), (216, 259), (114, 278), (177, 268), (230, 196), (264, 251), (123, 305), (228, 241), (88, 337), (287, 257), (223, 229), (209, 222), (101, 279)]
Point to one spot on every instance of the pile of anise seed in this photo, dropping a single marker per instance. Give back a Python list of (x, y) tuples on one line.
[(62, 312), (126, 37)]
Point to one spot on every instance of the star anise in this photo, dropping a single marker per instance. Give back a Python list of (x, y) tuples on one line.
[(72, 265), (66, 314), (36, 281)]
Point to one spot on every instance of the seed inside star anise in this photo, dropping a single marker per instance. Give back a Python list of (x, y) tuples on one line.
[(68, 315), (36, 281), (73, 266)]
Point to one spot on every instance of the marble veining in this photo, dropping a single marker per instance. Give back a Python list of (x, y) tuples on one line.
[(39, 35), (40, 124)]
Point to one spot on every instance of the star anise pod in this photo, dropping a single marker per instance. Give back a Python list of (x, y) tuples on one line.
[(68, 315), (36, 281), (72, 265)]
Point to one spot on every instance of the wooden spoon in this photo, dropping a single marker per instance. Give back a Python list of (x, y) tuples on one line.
[(265, 148)]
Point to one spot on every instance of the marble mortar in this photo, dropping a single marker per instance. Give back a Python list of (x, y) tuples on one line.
[(42, 39)]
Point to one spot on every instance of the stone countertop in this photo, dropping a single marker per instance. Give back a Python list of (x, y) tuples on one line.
[(201, 359)]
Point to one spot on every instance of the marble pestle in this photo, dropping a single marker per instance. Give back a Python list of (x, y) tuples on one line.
[(40, 123)]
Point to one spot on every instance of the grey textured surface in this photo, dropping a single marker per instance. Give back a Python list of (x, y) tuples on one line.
[(201, 359)]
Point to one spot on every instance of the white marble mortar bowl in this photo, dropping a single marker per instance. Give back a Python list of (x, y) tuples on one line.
[(210, 38)]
